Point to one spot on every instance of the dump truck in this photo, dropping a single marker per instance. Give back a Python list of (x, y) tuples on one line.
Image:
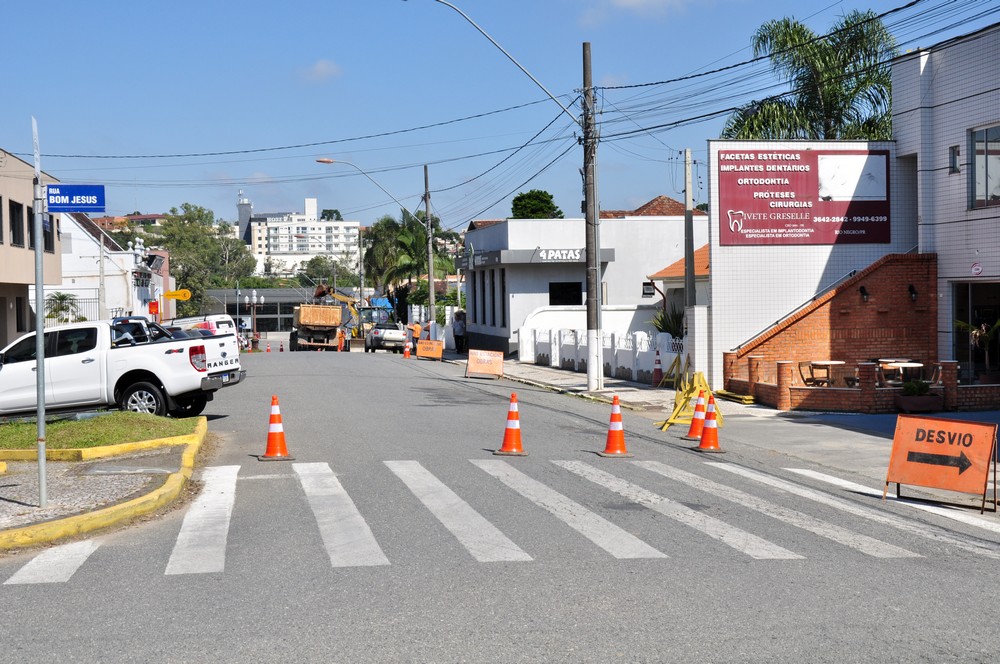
[(315, 326)]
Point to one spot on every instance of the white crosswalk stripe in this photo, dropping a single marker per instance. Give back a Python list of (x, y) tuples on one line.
[(482, 539), (348, 540), (56, 565), (862, 543), (954, 513), (616, 541), (921, 529), (737, 538), (201, 544)]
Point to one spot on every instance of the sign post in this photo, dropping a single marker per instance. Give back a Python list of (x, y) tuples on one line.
[(943, 454)]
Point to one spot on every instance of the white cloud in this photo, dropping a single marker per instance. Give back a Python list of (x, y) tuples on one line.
[(322, 70)]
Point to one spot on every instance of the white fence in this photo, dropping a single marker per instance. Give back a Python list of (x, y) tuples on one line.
[(627, 355)]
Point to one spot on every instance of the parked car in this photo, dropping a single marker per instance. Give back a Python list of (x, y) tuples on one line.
[(387, 336), (127, 363)]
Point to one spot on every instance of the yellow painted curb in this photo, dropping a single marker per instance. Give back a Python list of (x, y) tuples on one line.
[(102, 518), (3, 467), (89, 453)]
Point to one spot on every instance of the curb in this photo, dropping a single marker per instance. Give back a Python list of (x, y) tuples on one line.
[(166, 493)]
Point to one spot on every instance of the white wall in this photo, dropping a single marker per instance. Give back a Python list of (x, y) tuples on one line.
[(754, 286), (941, 95)]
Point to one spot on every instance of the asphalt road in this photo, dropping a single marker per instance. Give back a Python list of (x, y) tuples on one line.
[(396, 535)]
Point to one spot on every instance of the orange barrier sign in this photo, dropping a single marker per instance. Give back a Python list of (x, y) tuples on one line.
[(430, 349), (942, 454), (484, 362)]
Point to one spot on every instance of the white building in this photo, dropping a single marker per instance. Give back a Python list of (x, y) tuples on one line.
[(106, 279), (518, 265), (946, 124), (283, 242)]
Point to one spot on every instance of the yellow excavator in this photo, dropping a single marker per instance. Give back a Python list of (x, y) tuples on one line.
[(363, 317)]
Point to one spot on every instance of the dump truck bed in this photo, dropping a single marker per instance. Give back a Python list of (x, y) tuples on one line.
[(316, 315)]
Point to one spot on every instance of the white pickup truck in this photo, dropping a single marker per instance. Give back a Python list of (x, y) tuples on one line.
[(127, 363)]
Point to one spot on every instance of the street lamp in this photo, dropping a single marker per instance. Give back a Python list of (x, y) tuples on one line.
[(595, 376), (430, 257), (252, 298)]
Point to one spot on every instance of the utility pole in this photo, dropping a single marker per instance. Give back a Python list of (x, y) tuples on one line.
[(689, 294), (595, 343), (430, 248)]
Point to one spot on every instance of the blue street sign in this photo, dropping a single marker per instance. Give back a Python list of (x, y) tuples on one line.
[(75, 197)]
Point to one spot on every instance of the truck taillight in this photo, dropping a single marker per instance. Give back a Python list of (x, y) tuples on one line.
[(199, 360)]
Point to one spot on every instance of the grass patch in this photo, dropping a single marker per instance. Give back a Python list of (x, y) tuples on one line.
[(111, 429)]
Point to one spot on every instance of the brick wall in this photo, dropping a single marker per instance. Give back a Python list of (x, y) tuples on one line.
[(840, 325)]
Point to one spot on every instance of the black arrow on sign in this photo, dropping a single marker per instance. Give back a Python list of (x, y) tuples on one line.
[(961, 461)]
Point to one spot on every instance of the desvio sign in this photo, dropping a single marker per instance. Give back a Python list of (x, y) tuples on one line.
[(75, 197)]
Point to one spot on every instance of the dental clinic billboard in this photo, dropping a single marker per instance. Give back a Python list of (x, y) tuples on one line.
[(807, 196)]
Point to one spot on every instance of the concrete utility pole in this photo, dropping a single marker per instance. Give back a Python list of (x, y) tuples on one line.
[(595, 343), (689, 294), (430, 248)]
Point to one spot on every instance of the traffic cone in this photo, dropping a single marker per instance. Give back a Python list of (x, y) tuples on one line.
[(698, 420), (615, 447), (512, 434), (276, 450), (710, 436), (657, 370), (268, 346), (406, 351), (281, 346)]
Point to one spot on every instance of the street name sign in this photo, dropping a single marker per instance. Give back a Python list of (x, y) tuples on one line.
[(942, 454), (75, 198)]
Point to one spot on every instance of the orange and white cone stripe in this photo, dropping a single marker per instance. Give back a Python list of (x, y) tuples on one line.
[(276, 448), (710, 436), (698, 419), (615, 446), (512, 433)]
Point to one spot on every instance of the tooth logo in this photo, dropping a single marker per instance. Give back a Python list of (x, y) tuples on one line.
[(736, 220)]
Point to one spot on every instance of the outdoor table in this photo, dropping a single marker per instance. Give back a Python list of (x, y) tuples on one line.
[(825, 375), (903, 366)]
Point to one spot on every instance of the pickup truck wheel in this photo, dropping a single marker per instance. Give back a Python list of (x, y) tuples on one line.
[(191, 407), (143, 397)]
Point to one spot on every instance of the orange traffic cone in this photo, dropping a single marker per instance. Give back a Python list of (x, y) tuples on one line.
[(710, 436), (281, 346), (615, 446), (406, 351), (657, 370), (512, 434), (698, 420), (268, 346), (276, 450)]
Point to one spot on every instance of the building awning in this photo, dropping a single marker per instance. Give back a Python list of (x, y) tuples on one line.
[(537, 256)]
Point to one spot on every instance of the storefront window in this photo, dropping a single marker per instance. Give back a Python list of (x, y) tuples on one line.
[(986, 167)]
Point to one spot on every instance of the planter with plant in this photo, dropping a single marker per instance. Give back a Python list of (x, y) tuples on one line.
[(916, 397), (981, 336)]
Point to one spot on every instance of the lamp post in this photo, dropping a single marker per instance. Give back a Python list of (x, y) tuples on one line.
[(595, 376)]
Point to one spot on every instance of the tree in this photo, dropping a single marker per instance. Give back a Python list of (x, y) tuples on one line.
[(331, 215), (62, 306), (535, 204), (841, 82)]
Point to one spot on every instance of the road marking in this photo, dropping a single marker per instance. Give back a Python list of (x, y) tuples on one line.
[(616, 541), (862, 543), (201, 544), (57, 565), (941, 510), (482, 539), (739, 539), (922, 529), (348, 540)]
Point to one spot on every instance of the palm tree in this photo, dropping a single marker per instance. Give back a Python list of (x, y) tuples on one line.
[(62, 306), (841, 82)]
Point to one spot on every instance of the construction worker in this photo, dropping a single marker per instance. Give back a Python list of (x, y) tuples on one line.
[(415, 330)]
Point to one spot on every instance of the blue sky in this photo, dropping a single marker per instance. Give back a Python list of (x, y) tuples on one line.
[(193, 101)]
